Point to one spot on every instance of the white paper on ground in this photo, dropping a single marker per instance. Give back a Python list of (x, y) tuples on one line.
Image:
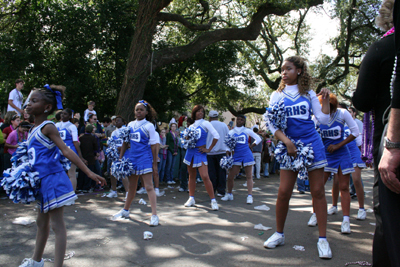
[(147, 235), (261, 227), (262, 207), (23, 221), (142, 201), (300, 248)]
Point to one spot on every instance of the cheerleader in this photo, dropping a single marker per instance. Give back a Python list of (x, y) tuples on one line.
[(143, 155), (69, 134), (196, 158), (300, 102), (120, 123), (338, 156), (242, 156), (44, 146), (358, 165)]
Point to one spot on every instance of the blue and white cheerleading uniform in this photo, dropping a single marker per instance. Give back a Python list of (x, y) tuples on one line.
[(242, 153), (193, 154), (355, 152), (300, 126), (68, 133), (141, 135), (115, 135), (44, 157), (333, 134)]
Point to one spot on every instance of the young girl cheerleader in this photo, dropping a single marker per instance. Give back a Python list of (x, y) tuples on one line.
[(115, 135), (44, 145), (358, 164), (338, 156), (143, 156), (69, 134), (242, 156), (196, 158), (300, 102)]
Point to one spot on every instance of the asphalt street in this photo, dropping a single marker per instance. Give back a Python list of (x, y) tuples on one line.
[(194, 236)]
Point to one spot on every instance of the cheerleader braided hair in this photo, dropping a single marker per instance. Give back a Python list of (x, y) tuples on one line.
[(53, 94), (304, 80), (151, 113)]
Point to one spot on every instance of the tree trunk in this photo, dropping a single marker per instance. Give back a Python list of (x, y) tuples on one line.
[(138, 67)]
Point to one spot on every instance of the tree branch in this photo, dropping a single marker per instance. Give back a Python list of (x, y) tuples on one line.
[(162, 16), (245, 110), (250, 32)]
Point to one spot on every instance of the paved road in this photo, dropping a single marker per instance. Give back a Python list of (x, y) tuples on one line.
[(191, 236)]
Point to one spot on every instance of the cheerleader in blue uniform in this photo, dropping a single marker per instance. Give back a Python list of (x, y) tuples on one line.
[(196, 158), (338, 155), (143, 155), (69, 134), (300, 102), (242, 156), (358, 164), (44, 146), (120, 123)]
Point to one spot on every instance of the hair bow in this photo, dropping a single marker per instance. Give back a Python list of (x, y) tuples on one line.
[(142, 102), (57, 95)]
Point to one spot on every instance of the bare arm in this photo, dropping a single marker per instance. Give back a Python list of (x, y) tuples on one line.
[(124, 147), (291, 148), (51, 132), (11, 103)]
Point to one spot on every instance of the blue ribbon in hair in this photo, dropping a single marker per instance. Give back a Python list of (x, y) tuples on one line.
[(57, 95), (142, 102)]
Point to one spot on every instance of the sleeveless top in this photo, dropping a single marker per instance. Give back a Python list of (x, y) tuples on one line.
[(139, 140), (66, 136), (44, 155)]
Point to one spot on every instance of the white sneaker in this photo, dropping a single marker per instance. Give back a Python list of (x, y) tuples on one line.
[(121, 214), (245, 184), (345, 227), (219, 195), (181, 189), (332, 210), (214, 205), (313, 220), (198, 180), (275, 240), (190, 202), (227, 197), (112, 194), (170, 182), (362, 214), (154, 220), (126, 196), (158, 193), (142, 191), (249, 200), (31, 263), (324, 250)]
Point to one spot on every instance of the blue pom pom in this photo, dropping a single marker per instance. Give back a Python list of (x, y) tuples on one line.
[(226, 162), (189, 137), (20, 155), (122, 168), (66, 163), (112, 152), (230, 142), (21, 184), (303, 160), (124, 134), (276, 115)]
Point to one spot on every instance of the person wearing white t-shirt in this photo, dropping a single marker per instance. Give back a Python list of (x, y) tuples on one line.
[(15, 98), (89, 110)]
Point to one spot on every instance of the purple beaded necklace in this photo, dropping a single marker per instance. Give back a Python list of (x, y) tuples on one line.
[(367, 148)]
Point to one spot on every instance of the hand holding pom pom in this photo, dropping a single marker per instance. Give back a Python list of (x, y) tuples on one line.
[(190, 137), (122, 168), (226, 162)]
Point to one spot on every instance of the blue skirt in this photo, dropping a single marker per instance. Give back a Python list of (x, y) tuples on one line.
[(55, 192), (315, 140), (339, 159), (355, 154), (197, 157), (244, 158), (142, 163)]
